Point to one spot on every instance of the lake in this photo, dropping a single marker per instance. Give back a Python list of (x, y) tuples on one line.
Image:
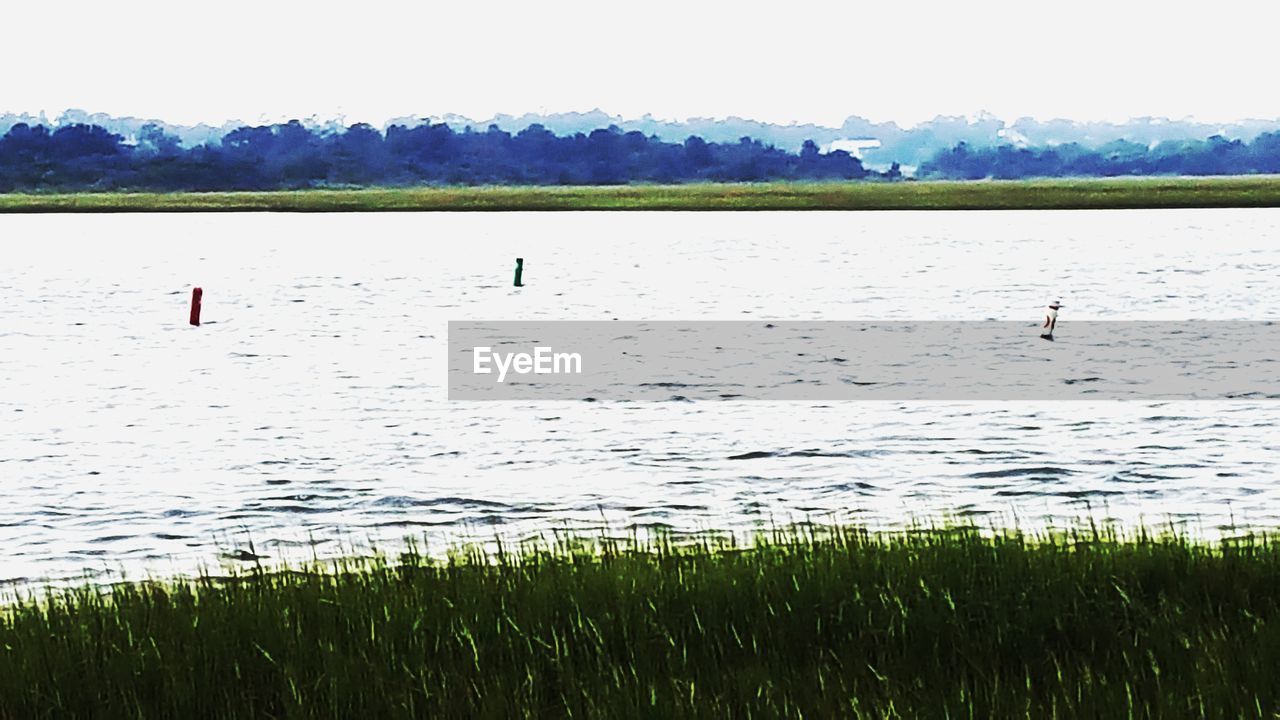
[(309, 413)]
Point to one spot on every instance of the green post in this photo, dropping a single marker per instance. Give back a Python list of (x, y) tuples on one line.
[(519, 271)]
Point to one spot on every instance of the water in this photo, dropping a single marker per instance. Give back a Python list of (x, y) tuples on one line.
[(309, 413)]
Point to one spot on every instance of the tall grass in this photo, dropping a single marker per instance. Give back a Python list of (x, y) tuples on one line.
[(1064, 193), (838, 622)]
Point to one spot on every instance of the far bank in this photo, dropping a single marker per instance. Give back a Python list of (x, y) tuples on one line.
[(1050, 194)]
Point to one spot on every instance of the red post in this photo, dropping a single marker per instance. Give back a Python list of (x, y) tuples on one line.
[(196, 294)]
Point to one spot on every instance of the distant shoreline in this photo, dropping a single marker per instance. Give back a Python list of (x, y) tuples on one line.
[(1047, 194)]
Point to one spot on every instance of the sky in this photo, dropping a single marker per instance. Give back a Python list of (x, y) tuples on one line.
[(798, 61)]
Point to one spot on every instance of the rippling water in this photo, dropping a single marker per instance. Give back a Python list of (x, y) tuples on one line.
[(309, 413)]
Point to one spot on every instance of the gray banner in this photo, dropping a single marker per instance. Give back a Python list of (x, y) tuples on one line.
[(828, 360)]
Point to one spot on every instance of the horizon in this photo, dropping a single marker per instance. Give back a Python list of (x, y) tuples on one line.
[(973, 118)]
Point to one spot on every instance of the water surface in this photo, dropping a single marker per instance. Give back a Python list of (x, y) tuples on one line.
[(309, 413)]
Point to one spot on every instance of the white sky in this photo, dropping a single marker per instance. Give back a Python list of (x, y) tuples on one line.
[(792, 61)]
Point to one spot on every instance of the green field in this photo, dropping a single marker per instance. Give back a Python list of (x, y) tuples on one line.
[(804, 623), (1245, 191)]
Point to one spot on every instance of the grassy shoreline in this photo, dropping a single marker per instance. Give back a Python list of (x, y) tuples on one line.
[(1088, 193), (817, 623)]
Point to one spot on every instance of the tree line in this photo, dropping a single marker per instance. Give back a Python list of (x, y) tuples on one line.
[(1215, 156), (292, 156), (83, 156)]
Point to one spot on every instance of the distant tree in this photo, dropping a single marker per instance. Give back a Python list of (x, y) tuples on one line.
[(358, 157), (153, 141), (697, 154)]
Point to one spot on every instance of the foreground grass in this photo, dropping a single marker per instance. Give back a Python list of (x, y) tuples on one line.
[(1095, 193), (846, 623)]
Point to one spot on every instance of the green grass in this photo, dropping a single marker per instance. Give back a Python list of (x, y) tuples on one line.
[(1243, 191), (804, 623)]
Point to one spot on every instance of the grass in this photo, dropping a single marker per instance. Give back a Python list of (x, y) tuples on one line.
[(1096, 193), (803, 623)]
